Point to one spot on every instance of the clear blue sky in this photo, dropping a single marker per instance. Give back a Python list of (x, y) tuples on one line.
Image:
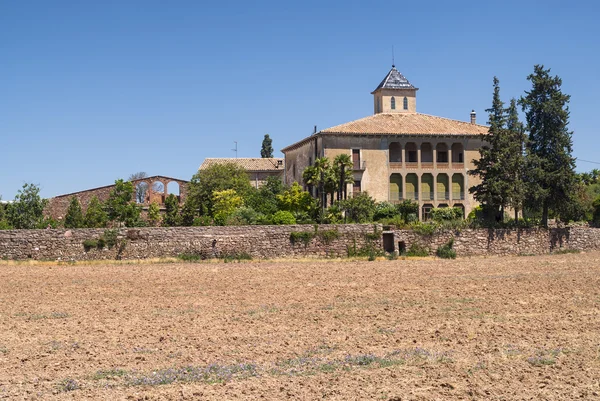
[(94, 91)]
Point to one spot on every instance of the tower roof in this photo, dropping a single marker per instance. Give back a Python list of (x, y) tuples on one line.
[(395, 80)]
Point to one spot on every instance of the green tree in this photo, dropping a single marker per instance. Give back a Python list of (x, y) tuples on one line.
[(74, 216), (118, 205), (596, 216), (316, 176), (264, 199), (95, 216), (552, 178), (154, 214), (296, 200), (217, 177), (172, 211), (343, 169), (224, 204), (494, 188), (27, 211), (515, 160), (3, 222), (408, 209), (360, 208), (266, 150)]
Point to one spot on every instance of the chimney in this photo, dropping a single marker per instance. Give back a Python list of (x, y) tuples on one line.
[(315, 131), (473, 117)]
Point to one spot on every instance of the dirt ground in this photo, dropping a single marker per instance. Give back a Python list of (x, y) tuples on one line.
[(514, 328)]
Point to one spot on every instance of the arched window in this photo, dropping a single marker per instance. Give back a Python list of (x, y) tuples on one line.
[(393, 103), (405, 103)]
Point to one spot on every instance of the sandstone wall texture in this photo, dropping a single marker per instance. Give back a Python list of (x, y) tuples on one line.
[(275, 241)]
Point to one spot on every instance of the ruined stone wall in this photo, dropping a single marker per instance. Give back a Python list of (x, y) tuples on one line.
[(274, 242)]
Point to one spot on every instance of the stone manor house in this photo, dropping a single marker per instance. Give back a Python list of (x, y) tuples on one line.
[(397, 152)]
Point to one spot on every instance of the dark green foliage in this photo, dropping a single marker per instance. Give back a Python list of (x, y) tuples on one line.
[(283, 217), (408, 210), (119, 206), (110, 238), (95, 216), (596, 216), (74, 216), (515, 160), (244, 216), (342, 171), (191, 257), (446, 213), (304, 237), (89, 244), (445, 251), (217, 177), (424, 228), (171, 217), (550, 172), (360, 208), (384, 210), (493, 166), (328, 236), (203, 221), (264, 199), (266, 150), (27, 211), (417, 250), (236, 256), (188, 214)]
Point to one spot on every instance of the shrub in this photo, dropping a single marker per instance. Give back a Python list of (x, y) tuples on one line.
[(445, 251), (596, 215), (409, 210), (203, 221), (327, 236), (243, 216), (110, 237), (423, 228), (283, 217), (446, 213), (89, 244), (301, 237), (417, 249), (191, 257), (385, 210), (360, 208), (239, 256)]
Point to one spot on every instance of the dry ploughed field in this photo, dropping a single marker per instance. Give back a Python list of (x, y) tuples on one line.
[(473, 328)]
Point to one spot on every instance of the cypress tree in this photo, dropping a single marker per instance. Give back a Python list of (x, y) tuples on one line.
[(552, 178), (95, 216), (493, 190), (74, 216), (267, 147), (515, 159)]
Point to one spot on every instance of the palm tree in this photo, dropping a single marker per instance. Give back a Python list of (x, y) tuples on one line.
[(343, 165)]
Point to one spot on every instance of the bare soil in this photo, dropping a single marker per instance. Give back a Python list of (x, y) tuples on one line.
[(481, 328)]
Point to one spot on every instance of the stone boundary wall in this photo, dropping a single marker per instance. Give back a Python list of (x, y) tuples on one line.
[(274, 241)]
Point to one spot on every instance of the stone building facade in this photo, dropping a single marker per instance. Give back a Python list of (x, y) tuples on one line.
[(147, 190), (399, 153)]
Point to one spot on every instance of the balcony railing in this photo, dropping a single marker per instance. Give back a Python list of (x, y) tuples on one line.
[(426, 164), (427, 195), (395, 164), (458, 196), (443, 195), (360, 166), (410, 164), (395, 201), (458, 165), (412, 195), (442, 165)]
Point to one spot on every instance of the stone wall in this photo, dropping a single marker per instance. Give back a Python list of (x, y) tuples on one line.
[(275, 242)]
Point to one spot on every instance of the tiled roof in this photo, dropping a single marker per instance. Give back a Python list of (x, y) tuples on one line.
[(248, 164), (407, 123), (395, 80)]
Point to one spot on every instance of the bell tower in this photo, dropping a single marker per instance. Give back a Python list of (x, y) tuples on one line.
[(395, 94)]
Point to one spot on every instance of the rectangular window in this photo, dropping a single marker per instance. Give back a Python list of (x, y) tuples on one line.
[(442, 157), (356, 158), (356, 187)]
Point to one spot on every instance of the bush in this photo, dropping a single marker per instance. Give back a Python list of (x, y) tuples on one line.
[(191, 257), (417, 250), (203, 221), (110, 238), (596, 216), (422, 228), (360, 208), (446, 213), (301, 237), (445, 251), (283, 217), (385, 210), (244, 216), (409, 210), (89, 244), (327, 236)]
